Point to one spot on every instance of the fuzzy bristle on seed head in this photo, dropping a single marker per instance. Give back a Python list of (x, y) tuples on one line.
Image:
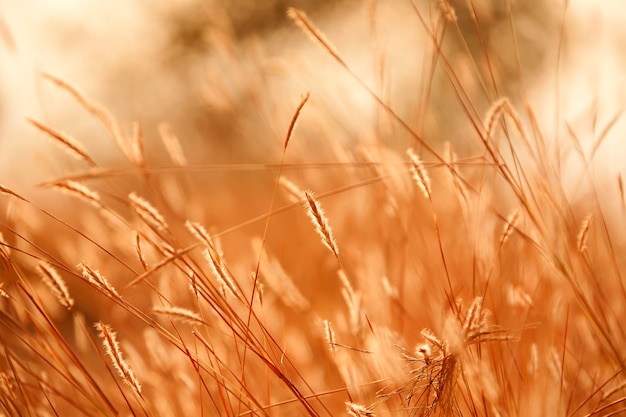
[(509, 227), (472, 319), (107, 120), (220, 271), (79, 190), (96, 279), (139, 252), (147, 212), (56, 284), (302, 21), (112, 349), (329, 336), (69, 143), (180, 314), (492, 115), (319, 220), (358, 410), (430, 337), (200, 233)]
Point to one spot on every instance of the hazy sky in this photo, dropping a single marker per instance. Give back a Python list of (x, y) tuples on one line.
[(114, 51)]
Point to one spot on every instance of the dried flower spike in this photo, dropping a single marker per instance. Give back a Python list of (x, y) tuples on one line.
[(112, 349), (358, 410), (69, 143), (509, 227), (199, 232), (56, 284), (318, 217), (147, 212), (97, 279), (220, 270), (180, 314), (329, 335), (79, 190)]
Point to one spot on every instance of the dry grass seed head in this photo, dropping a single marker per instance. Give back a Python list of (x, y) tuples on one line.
[(509, 226), (172, 145), (499, 107), (220, 271), (420, 175), (474, 313), (200, 233), (66, 141), (432, 384), (112, 349), (139, 252), (354, 302), (358, 410), (179, 314), (320, 221), (329, 336), (492, 116), (301, 19), (431, 338), (259, 288), (79, 190), (107, 120), (136, 155), (97, 279), (423, 352), (147, 212), (56, 284)]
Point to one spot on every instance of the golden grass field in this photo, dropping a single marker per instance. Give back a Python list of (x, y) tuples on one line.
[(409, 208)]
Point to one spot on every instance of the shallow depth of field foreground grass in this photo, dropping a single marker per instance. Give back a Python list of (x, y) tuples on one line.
[(448, 256)]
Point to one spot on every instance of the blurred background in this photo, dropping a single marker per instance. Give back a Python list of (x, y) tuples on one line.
[(226, 75)]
